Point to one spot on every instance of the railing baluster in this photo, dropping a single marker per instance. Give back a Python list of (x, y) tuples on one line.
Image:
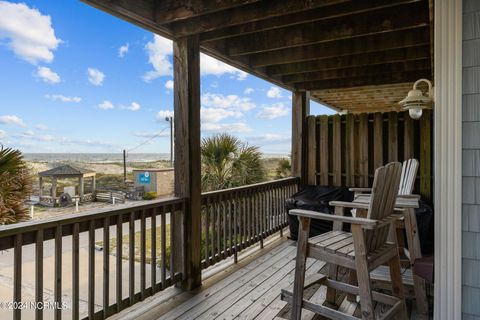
[(131, 257), (229, 216), (207, 231), (91, 270), (153, 253), (17, 275), (218, 227), (171, 209), (119, 267), (39, 274), (58, 273), (163, 235), (224, 220), (143, 244), (106, 265), (75, 272), (235, 237)]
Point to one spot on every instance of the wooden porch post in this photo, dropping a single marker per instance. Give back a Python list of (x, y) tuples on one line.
[(186, 62), (300, 110)]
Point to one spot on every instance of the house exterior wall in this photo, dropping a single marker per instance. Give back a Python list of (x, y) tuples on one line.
[(471, 161)]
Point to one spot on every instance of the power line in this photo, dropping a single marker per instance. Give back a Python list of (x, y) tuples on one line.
[(148, 140)]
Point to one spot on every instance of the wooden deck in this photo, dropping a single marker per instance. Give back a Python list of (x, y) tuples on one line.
[(247, 290)]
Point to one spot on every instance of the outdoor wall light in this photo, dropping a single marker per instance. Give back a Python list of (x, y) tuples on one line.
[(416, 100)]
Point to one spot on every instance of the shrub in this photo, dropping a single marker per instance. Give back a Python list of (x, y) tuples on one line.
[(150, 195)]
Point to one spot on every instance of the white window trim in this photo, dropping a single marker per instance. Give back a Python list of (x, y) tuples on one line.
[(448, 159)]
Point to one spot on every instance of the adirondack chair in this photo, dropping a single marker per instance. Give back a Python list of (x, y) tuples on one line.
[(407, 183), (407, 180), (364, 249)]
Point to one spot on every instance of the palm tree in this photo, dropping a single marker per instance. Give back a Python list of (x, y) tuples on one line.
[(15, 186), (228, 162)]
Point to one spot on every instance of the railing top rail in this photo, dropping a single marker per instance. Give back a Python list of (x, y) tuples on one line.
[(72, 218), (251, 186)]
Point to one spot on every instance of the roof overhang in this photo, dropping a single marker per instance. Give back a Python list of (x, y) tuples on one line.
[(333, 48)]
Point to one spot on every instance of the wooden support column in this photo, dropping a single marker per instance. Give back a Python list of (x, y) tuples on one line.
[(300, 111), (186, 62)]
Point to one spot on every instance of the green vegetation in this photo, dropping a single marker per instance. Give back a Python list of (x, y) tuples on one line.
[(150, 195), (228, 162), (284, 169), (15, 186)]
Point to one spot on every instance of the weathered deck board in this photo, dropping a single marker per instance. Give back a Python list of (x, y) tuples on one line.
[(249, 291)]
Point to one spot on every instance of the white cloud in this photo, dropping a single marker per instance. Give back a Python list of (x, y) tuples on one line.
[(158, 52), (274, 92), (46, 138), (42, 127), (169, 84), (29, 34), (95, 76), (13, 120), (47, 75), (133, 107), (230, 127), (28, 133), (248, 91), (62, 98), (105, 105), (229, 101), (3, 134), (276, 110), (212, 66), (162, 114), (123, 50), (217, 114), (270, 138)]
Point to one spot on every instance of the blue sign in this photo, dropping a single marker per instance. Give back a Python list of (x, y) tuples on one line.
[(144, 178)]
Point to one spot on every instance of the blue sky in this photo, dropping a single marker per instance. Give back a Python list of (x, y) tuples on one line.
[(75, 79)]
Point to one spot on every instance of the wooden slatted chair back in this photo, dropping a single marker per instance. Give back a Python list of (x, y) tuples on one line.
[(409, 174), (385, 188)]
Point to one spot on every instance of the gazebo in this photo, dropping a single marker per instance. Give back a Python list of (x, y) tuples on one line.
[(65, 172)]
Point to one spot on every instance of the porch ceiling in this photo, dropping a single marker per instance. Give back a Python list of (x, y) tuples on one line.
[(353, 55)]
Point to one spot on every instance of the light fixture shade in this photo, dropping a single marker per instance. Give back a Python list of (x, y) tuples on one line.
[(415, 96), (416, 100)]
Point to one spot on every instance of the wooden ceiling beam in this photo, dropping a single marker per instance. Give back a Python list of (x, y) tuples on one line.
[(349, 82), (140, 13), (362, 59), (370, 23), (395, 67), (232, 28), (250, 13), (345, 47), (168, 11)]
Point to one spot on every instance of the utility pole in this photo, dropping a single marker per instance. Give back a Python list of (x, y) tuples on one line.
[(124, 166), (170, 120)]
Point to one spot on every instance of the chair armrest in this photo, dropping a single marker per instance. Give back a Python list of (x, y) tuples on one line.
[(365, 223), (369, 190), (353, 205), (409, 196)]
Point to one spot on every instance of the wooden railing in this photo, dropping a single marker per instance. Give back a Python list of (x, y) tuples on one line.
[(233, 219), (61, 236)]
